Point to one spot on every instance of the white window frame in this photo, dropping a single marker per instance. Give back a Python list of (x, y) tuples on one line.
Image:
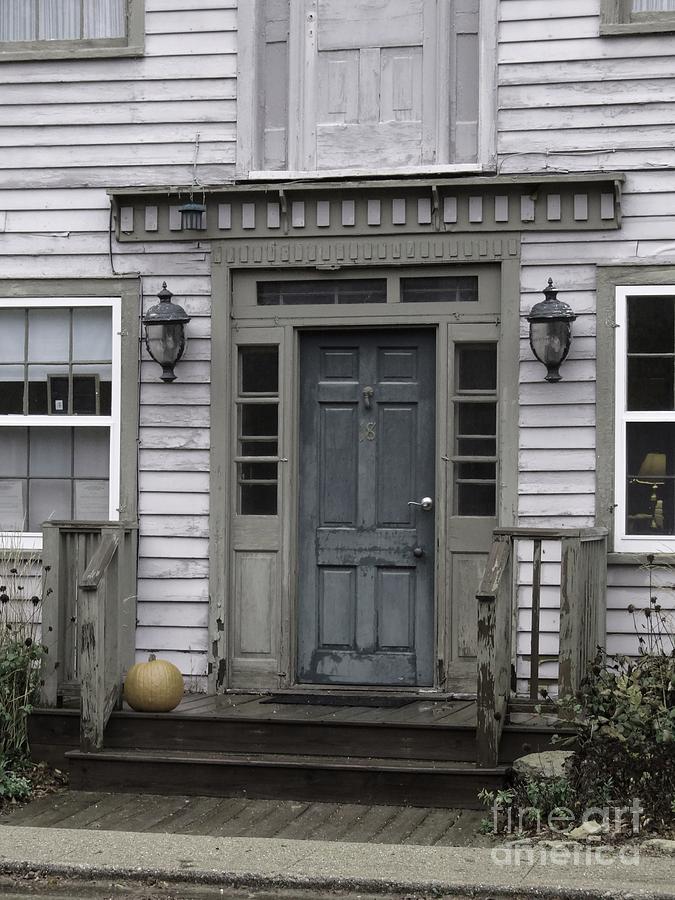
[(33, 540), (131, 44), (624, 542)]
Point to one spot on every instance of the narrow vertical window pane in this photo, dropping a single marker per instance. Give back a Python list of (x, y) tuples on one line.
[(91, 452), (650, 478), (91, 500), (259, 420), (11, 390), (92, 334), (18, 21), (476, 367), (85, 395), (257, 481), (13, 507), (651, 324), (651, 353), (104, 19), (13, 452), (59, 20), (12, 335), (51, 451), (48, 335), (639, 6), (50, 498), (259, 370)]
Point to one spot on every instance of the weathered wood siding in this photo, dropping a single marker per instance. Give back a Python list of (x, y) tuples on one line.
[(570, 100), (71, 129)]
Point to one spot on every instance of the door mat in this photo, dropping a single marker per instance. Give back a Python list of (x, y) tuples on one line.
[(339, 700)]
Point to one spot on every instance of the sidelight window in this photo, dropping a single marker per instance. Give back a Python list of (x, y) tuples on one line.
[(475, 451), (257, 457)]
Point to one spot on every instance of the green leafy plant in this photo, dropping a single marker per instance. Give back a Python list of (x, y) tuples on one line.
[(12, 785), (625, 715), (20, 648)]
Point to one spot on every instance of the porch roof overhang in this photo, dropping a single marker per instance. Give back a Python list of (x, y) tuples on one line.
[(373, 207)]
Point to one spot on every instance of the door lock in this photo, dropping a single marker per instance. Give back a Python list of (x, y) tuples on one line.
[(425, 503)]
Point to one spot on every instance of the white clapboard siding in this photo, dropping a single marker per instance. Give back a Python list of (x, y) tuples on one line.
[(71, 129), (174, 485), (58, 120), (570, 100)]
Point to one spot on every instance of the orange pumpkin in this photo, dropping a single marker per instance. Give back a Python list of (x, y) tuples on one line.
[(153, 686)]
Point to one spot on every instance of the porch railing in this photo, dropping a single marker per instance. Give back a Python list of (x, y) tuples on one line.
[(89, 618), (583, 580)]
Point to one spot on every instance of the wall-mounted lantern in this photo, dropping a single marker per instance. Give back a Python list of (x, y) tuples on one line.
[(165, 332), (192, 216), (551, 331)]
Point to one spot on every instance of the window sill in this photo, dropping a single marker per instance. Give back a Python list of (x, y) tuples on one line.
[(627, 29), (393, 172), (625, 558), (24, 545), (39, 52)]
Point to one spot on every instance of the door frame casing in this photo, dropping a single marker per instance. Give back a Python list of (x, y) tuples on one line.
[(225, 326)]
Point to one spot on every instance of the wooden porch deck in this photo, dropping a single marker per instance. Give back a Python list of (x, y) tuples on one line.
[(436, 710)]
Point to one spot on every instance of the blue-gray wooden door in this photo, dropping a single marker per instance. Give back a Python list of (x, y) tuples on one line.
[(366, 557)]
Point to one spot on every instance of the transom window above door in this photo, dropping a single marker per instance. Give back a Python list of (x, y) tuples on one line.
[(365, 84), (473, 290)]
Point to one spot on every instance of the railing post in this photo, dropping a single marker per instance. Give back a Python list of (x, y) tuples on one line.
[(52, 638), (493, 651), (91, 604), (571, 585), (97, 698), (534, 630)]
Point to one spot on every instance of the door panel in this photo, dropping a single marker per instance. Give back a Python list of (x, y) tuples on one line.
[(367, 436)]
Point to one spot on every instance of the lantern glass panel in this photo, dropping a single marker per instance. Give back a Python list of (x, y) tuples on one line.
[(550, 341), (165, 341)]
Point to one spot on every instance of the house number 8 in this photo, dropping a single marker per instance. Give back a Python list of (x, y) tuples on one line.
[(370, 431)]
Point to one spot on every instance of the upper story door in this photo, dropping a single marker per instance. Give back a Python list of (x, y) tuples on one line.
[(365, 84), (366, 546)]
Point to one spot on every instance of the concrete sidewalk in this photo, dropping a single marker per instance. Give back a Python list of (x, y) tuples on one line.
[(269, 862)]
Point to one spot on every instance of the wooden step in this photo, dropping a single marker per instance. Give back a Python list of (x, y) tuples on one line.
[(53, 732), (348, 779)]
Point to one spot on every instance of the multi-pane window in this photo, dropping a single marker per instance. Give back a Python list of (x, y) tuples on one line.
[(61, 20), (475, 451), (291, 293), (257, 430), (59, 424), (625, 16), (645, 417), (652, 6), (54, 27)]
